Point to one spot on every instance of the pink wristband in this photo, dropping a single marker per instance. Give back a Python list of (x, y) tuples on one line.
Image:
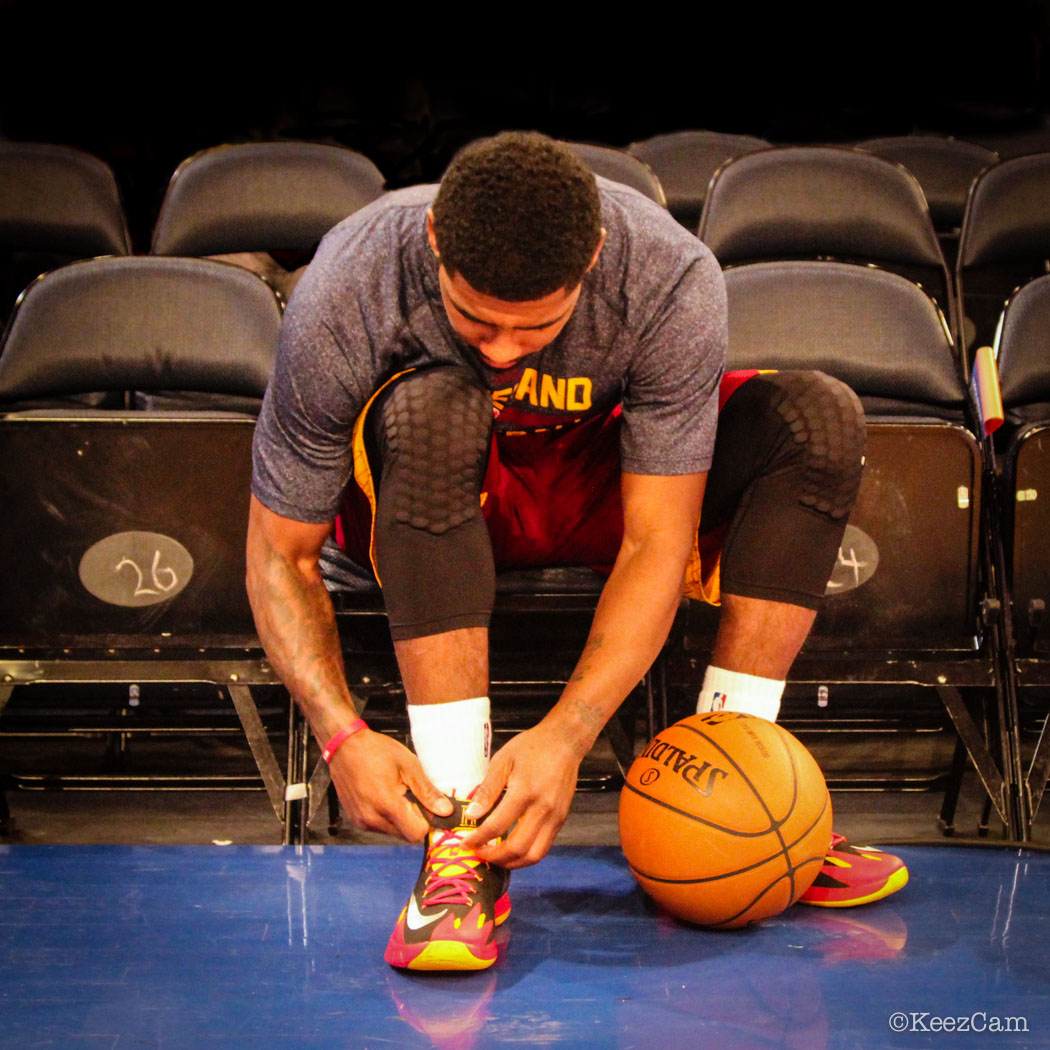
[(336, 742)]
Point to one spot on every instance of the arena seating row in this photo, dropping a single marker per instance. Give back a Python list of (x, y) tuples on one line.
[(915, 212), (121, 377), (685, 161)]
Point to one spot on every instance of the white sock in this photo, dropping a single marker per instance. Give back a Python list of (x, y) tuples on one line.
[(452, 743), (733, 691)]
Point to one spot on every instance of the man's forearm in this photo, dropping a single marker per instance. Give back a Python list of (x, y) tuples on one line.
[(631, 624), (296, 624)]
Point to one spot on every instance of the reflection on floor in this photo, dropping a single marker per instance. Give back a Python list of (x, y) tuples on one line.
[(269, 947)]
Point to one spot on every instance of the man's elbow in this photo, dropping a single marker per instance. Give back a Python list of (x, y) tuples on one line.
[(252, 574)]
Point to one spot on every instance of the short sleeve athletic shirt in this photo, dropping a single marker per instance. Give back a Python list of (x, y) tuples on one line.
[(648, 333)]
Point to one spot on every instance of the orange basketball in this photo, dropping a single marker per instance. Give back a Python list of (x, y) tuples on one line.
[(725, 819)]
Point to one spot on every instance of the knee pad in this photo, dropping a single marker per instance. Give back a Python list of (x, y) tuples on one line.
[(788, 465), (825, 421), (429, 447), (432, 433)]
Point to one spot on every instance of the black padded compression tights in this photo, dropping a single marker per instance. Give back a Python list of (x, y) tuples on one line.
[(789, 454), (428, 445), (787, 466)]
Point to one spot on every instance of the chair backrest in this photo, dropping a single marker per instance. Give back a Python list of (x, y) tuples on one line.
[(684, 162), (875, 330), (59, 199), (262, 196), (141, 323), (619, 166), (805, 202), (1023, 351), (945, 167), (57, 204), (1005, 240)]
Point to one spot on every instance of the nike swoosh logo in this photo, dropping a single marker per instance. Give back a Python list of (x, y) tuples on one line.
[(414, 920)]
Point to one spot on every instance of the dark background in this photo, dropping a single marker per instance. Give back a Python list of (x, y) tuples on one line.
[(146, 87)]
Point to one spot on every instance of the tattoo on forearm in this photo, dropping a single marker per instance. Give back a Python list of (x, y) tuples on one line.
[(591, 651), (592, 717), (589, 715)]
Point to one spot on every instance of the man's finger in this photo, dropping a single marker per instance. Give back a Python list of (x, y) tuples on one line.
[(379, 823), (488, 792), (498, 822), (400, 814), (481, 801), (386, 827), (411, 824), (417, 822), (426, 796), (527, 844)]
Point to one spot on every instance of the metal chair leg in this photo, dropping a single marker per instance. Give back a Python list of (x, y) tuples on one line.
[(952, 791), (986, 815), (333, 810), (296, 793)]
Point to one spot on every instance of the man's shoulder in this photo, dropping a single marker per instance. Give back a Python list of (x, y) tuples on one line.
[(641, 233), (647, 252)]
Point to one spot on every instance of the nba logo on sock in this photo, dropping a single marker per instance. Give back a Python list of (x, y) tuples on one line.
[(718, 701)]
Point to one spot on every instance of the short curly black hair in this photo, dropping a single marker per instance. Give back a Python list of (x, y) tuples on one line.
[(518, 216)]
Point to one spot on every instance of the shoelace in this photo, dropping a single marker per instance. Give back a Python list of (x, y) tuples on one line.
[(452, 870)]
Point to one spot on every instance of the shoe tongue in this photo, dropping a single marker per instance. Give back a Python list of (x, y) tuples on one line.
[(456, 819)]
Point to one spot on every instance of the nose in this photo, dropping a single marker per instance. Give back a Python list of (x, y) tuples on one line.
[(504, 348)]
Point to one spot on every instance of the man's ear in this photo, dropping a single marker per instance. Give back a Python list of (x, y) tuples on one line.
[(432, 236), (597, 251)]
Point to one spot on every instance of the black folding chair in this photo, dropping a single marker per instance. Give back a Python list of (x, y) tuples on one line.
[(946, 169), (274, 197), (122, 545), (619, 166)]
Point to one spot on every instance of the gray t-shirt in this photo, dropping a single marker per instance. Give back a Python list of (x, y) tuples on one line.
[(648, 332)]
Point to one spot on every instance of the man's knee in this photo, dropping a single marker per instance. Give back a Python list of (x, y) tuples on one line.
[(429, 441), (787, 470), (431, 434), (825, 421)]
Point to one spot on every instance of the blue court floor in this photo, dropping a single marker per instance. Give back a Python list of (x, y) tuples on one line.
[(193, 948)]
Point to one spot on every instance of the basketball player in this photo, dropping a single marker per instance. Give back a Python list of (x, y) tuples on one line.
[(524, 367)]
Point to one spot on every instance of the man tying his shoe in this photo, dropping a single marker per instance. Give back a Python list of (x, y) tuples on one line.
[(524, 367)]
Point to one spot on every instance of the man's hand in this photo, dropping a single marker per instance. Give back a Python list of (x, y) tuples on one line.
[(536, 773), (372, 773)]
